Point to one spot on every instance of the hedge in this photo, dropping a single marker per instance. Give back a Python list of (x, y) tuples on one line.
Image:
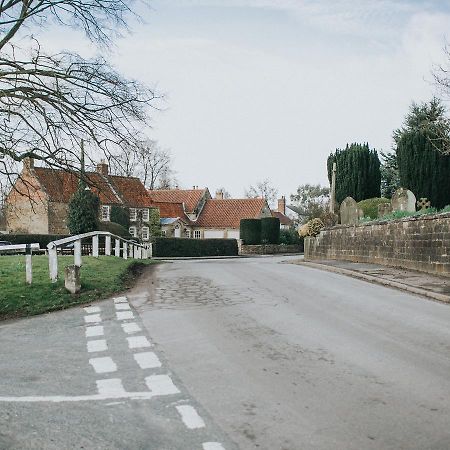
[(370, 206), (114, 228), (41, 239), (179, 247), (270, 230), (250, 231)]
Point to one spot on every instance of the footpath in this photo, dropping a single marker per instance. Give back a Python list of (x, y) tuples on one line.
[(432, 286)]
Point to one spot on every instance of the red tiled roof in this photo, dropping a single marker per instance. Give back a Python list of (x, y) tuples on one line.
[(190, 197), (131, 190), (228, 213), (171, 210), (284, 220)]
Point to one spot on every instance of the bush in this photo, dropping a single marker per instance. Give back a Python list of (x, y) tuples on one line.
[(114, 228), (121, 216), (370, 206), (179, 247), (290, 237), (41, 239), (270, 230), (312, 228), (250, 231)]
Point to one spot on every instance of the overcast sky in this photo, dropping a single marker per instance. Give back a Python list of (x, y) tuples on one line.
[(261, 89)]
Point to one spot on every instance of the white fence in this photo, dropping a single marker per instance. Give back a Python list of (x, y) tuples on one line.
[(122, 248), (28, 250)]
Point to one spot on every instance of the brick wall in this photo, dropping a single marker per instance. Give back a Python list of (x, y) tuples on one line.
[(418, 243)]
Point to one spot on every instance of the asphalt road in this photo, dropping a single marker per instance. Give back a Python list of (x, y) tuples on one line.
[(248, 353)]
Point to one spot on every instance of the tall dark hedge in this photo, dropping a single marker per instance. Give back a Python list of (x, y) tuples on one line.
[(120, 215), (250, 231), (83, 214), (270, 230), (423, 169), (179, 247), (357, 172)]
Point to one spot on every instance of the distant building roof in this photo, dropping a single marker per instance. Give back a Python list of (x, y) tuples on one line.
[(284, 220), (171, 211), (190, 197)]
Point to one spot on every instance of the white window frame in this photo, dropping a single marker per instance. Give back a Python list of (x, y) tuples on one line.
[(105, 213), (187, 233), (145, 233), (197, 234), (133, 214), (145, 215), (133, 231)]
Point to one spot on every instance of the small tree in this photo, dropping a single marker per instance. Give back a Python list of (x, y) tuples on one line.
[(262, 189), (311, 200), (83, 211), (390, 178)]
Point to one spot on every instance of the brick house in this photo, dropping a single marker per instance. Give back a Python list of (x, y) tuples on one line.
[(39, 200), (285, 221)]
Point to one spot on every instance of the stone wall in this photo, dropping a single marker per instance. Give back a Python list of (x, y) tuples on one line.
[(418, 243), (269, 249)]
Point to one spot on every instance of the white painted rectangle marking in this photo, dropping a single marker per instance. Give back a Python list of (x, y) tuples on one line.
[(122, 307), (131, 327), (161, 385), (138, 342), (147, 360), (96, 330), (98, 345), (124, 315), (93, 318), (103, 365), (190, 417), (111, 387), (120, 300), (92, 309), (212, 446)]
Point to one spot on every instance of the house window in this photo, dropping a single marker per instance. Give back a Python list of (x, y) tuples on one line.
[(163, 233), (197, 234), (187, 233), (145, 215), (132, 231), (145, 233), (133, 214), (106, 210)]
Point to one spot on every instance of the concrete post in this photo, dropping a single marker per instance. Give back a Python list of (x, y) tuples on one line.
[(117, 248), (53, 264), (130, 250), (125, 251), (333, 189), (77, 253), (72, 279), (150, 251), (108, 245), (28, 265), (95, 246), (135, 252)]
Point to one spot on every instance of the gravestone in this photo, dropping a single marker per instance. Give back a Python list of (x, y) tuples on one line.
[(384, 209), (403, 200), (423, 203), (349, 212)]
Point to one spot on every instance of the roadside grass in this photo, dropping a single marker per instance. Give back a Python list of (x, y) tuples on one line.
[(100, 278)]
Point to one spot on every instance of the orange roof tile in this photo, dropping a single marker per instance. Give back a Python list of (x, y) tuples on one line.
[(284, 220), (227, 213), (190, 197), (171, 210), (131, 190)]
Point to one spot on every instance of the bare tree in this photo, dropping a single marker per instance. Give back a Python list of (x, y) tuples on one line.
[(49, 103), (262, 189)]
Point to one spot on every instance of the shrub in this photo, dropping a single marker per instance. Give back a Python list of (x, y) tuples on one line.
[(250, 231), (270, 230), (179, 247), (312, 228), (289, 237), (114, 228), (121, 216), (370, 206), (84, 209)]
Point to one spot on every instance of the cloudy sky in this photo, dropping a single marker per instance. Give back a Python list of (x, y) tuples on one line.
[(261, 89)]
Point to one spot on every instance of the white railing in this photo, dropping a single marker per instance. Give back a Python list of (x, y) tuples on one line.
[(28, 250), (124, 247)]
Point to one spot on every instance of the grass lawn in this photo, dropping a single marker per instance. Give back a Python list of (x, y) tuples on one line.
[(100, 277)]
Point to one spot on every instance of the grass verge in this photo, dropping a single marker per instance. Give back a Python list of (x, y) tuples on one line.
[(100, 278)]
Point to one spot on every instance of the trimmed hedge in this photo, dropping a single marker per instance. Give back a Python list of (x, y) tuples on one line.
[(114, 228), (370, 206), (270, 230), (250, 231), (41, 239), (179, 247)]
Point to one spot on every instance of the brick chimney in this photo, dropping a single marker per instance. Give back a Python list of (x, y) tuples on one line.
[(282, 205), (219, 195), (28, 164), (102, 167)]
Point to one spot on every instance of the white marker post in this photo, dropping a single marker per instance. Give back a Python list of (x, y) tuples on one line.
[(77, 253), (125, 251), (117, 248), (108, 245), (28, 264), (53, 264), (95, 246)]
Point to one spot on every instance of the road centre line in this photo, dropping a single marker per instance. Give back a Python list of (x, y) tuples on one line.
[(97, 345), (103, 365), (212, 446), (147, 360), (161, 385), (96, 330), (190, 417), (130, 327), (138, 342)]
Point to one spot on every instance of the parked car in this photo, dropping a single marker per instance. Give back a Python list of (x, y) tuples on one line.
[(5, 243)]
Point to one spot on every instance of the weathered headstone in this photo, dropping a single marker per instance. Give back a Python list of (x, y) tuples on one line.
[(403, 200), (72, 280), (423, 203), (384, 209), (349, 212)]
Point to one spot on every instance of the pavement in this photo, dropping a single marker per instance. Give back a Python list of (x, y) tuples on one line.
[(248, 353)]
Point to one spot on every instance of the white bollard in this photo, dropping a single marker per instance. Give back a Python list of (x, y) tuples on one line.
[(95, 246), (117, 248), (150, 251), (53, 264), (28, 265), (135, 252), (125, 251), (77, 253), (108, 245)]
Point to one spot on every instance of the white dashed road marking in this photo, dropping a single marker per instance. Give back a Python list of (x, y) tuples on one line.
[(123, 306), (120, 300), (92, 309), (93, 318), (190, 417), (212, 446), (131, 327), (98, 345), (103, 365), (110, 387), (96, 330), (138, 342), (161, 385), (124, 315), (147, 360)]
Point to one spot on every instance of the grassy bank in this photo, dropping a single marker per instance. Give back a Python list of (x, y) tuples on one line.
[(100, 278)]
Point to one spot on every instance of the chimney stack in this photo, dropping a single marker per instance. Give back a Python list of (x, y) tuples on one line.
[(102, 167), (28, 164), (282, 205), (219, 195)]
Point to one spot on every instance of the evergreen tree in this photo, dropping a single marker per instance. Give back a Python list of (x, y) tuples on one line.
[(357, 172), (390, 179), (423, 168), (83, 211)]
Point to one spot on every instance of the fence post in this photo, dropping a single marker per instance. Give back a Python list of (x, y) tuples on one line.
[(28, 265), (130, 248), (53, 264), (150, 251), (117, 248), (95, 246), (125, 251), (77, 252), (108, 245)]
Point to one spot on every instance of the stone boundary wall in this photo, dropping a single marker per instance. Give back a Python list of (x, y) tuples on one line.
[(417, 243), (269, 249)]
